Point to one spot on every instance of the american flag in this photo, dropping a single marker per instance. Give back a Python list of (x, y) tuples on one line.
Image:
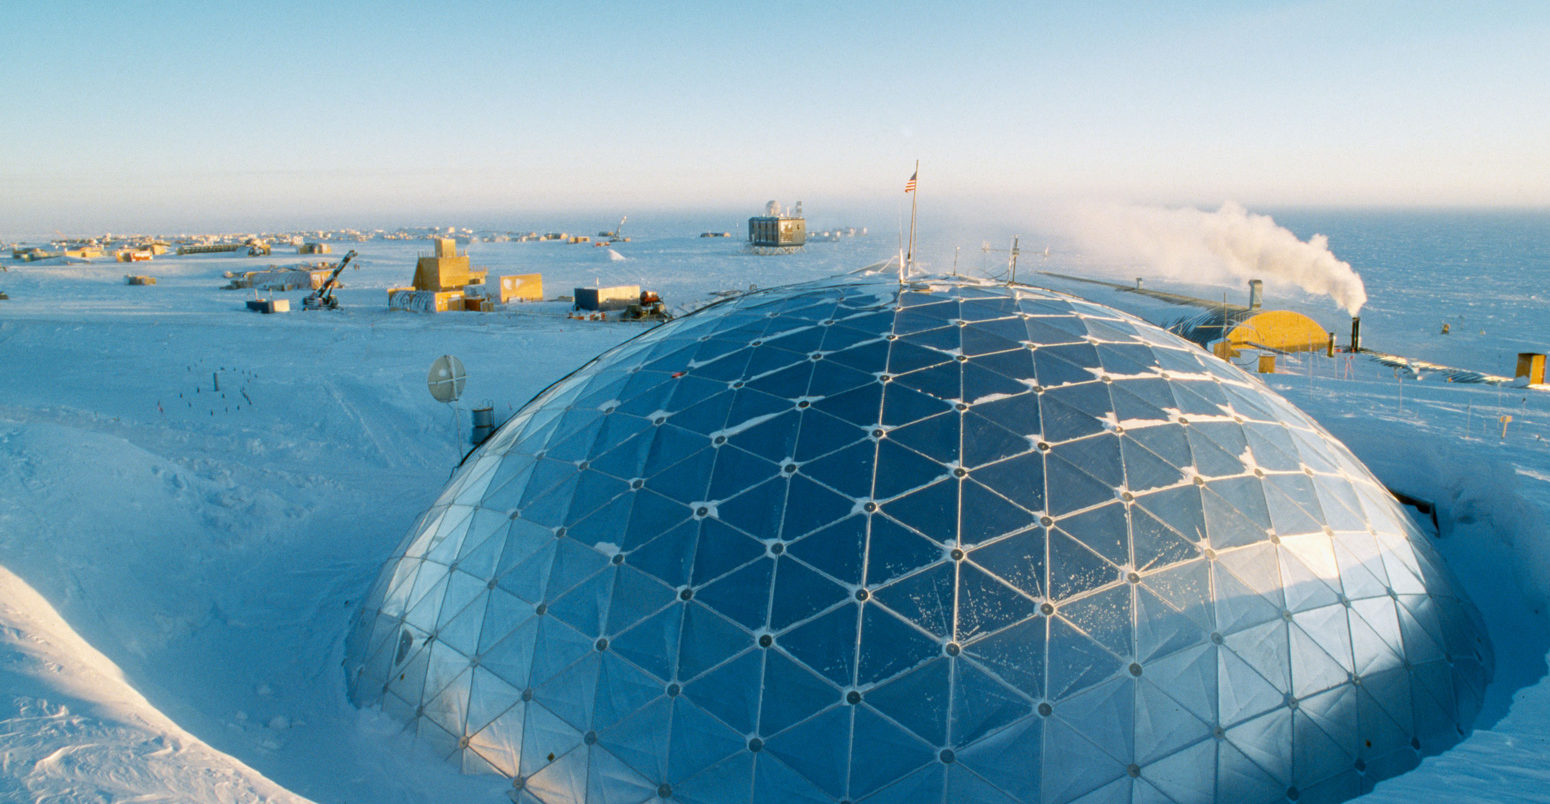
[(909, 186)]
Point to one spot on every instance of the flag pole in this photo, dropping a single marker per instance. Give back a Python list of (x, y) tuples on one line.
[(909, 257)]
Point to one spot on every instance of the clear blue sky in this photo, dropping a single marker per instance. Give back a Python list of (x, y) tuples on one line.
[(153, 114)]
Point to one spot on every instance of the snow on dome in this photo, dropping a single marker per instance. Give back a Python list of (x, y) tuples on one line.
[(952, 541)]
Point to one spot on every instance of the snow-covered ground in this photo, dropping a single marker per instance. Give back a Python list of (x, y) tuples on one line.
[(193, 497)]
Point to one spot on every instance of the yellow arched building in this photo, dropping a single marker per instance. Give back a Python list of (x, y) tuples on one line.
[(1279, 330)]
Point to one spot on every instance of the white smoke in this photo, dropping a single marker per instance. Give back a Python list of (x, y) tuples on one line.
[(1230, 243)]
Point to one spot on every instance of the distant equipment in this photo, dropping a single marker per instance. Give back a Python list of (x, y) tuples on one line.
[(212, 248), (775, 232), (323, 297), (446, 379), (1011, 259), (614, 236), (1015, 251), (618, 297), (649, 308), (268, 306), (280, 279)]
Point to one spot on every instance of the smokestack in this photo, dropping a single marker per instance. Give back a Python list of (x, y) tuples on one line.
[(484, 425), (1138, 283), (1256, 294), (1356, 333), (1229, 243)]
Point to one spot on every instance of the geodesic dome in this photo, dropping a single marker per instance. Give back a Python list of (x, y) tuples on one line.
[(848, 540)]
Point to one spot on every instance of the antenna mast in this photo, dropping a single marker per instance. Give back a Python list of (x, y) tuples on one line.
[(1011, 261), (1012, 265), (909, 256)]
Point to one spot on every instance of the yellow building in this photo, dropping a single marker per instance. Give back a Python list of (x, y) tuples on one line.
[(1532, 366), (522, 287), (446, 269), (1226, 334)]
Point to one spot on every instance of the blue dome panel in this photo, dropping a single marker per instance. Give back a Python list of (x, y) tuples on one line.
[(851, 540)]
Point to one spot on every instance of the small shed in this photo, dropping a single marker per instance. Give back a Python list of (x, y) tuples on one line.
[(612, 298), (1532, 366), (521, 287)]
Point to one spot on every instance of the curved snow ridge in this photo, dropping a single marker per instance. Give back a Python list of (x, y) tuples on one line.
[(71, 728)]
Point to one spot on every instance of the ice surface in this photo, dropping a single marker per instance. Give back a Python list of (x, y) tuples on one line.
[(251, 546)]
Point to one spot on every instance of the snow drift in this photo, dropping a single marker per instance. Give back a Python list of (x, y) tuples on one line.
[(76, 730)]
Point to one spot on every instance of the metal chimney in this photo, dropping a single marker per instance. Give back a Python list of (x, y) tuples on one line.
[(484, 425), (1256, 294), (1356, 333)]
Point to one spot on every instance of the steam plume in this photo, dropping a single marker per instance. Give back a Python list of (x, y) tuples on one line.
[(1230, 243)]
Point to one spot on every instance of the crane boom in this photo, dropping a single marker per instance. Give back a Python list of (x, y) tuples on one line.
[(323, 297)]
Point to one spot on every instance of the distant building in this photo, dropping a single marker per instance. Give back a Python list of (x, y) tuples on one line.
[(446, 269), (775, 230)]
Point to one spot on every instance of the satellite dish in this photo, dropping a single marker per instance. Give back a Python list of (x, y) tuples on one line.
[(446, 379)]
